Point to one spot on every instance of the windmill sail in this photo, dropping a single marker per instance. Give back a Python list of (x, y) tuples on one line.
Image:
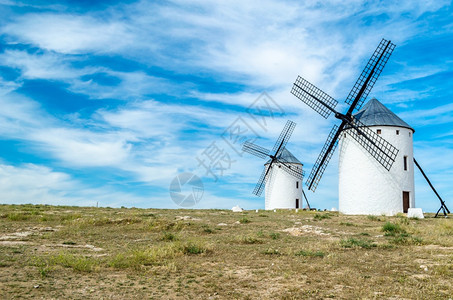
[(255, 150), (323, 159), (370, 74), (379, 148), (262, 181), (319, 101), (283, 138)]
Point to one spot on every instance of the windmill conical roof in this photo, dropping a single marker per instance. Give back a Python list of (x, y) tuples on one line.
[(374, 113), (287, 157)]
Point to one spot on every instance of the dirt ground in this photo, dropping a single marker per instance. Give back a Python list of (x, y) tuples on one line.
[(49, 252)]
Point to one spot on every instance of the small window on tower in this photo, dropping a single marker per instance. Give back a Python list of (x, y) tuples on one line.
[(297, 184), (409, 134), (378, 131), (397, 132), (405, 163)]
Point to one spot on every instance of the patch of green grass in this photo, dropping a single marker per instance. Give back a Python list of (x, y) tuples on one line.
[(146, 256), (69, 243), (321, 217), (392, 229), (272, 251), (357, 243), (207, 229), (244, 220), (160, 255), (406, 239), (23, 216), (373, 218), (347, 224), (247, 239), (194, 248), (168, 236), (274, 235), (310, 253), (78, 263)]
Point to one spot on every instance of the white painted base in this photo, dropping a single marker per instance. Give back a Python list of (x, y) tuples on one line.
[(366, 187), (415, 213)]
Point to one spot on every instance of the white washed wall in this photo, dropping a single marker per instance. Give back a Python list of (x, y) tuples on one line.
[(365, 187), (281, 191)]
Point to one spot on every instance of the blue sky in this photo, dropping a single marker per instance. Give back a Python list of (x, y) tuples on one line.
[(108, 102)]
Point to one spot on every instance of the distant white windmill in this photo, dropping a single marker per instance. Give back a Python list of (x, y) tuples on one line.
[(282, 175)]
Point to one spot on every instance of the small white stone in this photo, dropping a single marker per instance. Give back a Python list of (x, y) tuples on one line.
[(415, 213)]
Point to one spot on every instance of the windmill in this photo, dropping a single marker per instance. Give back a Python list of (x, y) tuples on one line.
[(286, 194), (381, 150)]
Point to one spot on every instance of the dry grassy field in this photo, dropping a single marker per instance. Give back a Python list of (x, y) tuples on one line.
[(53, 252)]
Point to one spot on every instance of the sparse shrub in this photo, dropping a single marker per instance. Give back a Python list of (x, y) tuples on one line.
[(165, 225), (406, 239), (244, 220), (272, 251), (104, 221), (445, 228), (373, 218), (321, 217), (70, 217), (274, 235), (24, 216), (168, 236), (76, 262), (364, 233), (357, 243), (194, 248), (69, 243), (392, 229), (310, 253), (263, 216), (347, 224), (43, 266), (246, 239), (206, 229), (157, 255)]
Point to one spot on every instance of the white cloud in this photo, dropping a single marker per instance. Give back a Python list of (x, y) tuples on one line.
[(71, 34)]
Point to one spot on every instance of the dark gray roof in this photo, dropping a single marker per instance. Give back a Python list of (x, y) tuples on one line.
[(287, 157), (374, 113)]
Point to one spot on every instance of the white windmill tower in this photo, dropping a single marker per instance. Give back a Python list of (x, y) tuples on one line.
[(365, 187), (283, 190), (282, 175)]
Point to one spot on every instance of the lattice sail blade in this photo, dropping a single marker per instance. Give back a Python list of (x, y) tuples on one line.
[(384, 152), (283, 138), (262, 181), (370, 74), (255, 150), (291, 169), (323, 158), (313, 97)]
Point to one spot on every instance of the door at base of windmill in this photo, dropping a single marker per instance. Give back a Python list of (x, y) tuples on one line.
[(297, 203), (405, 201)]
